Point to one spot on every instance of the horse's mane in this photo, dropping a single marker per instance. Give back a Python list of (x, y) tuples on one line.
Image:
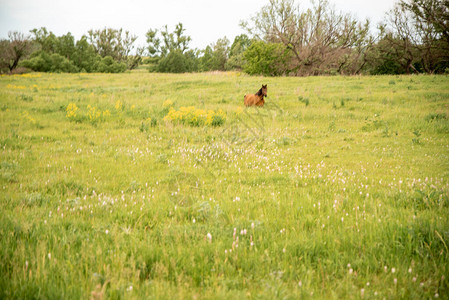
[(259, 93)]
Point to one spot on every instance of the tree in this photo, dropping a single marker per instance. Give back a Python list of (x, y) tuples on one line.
[(135, 60), (238, 47), (169, 51), (60, 54), (177, 62), (66, 45), (215, 56), (171, 41), (46, 40), (431, 12), (430, 18), (402, 37), (385, 57), (317, 38), (112, 42), (207, 59), (85, 55), (12, 51), (418, 31), (221, 53)]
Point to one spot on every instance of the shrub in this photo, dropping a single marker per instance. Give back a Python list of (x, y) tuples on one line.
[(44, 62), (269, 59), (108, 65), (178, 62)]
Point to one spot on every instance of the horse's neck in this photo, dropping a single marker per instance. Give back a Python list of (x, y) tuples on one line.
[(260, 94)]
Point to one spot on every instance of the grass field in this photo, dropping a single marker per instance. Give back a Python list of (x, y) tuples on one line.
[(337, 188)]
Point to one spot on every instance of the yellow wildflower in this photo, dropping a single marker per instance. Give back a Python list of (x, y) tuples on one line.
[(195, 117), (71, 111), (167, 103), (118, 105)]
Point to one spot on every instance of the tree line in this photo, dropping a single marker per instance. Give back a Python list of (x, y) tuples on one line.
[(281, 39)]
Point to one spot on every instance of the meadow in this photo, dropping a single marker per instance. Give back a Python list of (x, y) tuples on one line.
[(141, 185)]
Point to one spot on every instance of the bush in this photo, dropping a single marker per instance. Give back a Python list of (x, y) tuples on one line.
[(85, 56), (61, 64), (178, 62), (269, 59), (108, 65), (44, 62)]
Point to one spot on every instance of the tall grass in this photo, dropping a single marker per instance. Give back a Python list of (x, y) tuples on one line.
[(337, 188)]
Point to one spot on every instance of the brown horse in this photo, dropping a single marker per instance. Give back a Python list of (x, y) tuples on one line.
[(257, 98)]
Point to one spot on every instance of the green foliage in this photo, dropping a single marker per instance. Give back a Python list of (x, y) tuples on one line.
[(112, 42), (171, 41), (170, 54), (45, 62), (267, 59), (206, 61), (215, 56), (304, 100), (177, 62), (436, 117), (109, 65), (416, 139), (386, 58), (89, 54), (288, 41), (84, 56), (220, 54), (236, 53)]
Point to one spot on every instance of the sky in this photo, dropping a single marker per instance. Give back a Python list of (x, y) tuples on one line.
[(205, 21)]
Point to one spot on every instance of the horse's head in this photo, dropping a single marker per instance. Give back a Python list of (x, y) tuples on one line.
[(263, 91)]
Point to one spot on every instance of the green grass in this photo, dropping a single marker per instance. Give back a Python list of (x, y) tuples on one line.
[(337, 188)]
